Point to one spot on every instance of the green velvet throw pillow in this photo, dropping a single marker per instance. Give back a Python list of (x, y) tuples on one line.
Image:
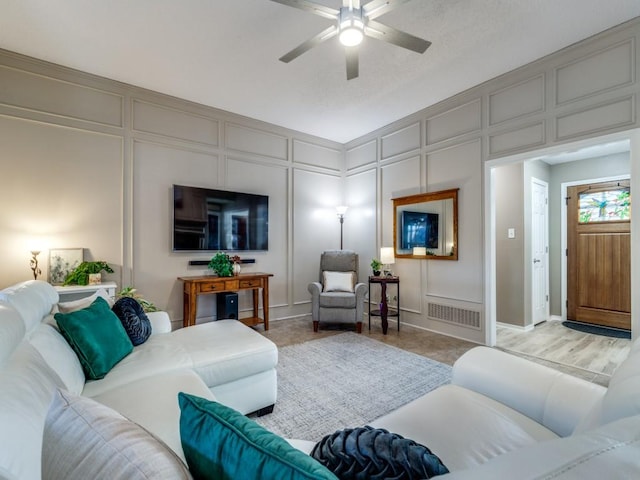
[(220, 443), (97, 336)]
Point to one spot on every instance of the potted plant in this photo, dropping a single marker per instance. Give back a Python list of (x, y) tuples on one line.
[(131, 292), (221, 264), (376, 266), (80, 274)]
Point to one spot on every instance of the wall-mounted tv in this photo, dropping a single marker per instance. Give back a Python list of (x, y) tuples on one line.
[(207, 219), (419, 229)]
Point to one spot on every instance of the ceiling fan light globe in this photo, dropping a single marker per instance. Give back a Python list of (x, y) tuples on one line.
[(350, 37)]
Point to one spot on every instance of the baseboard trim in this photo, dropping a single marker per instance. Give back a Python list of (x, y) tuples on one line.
[(520, 328)]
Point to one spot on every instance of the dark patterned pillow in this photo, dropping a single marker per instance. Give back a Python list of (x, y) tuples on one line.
[(374, 453), (133, 318)]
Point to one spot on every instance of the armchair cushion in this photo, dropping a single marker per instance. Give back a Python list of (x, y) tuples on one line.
[(337, 300), (338, 281)]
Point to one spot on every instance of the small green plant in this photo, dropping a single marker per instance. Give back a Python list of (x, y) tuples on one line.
[(221, 264), (80, 274), (131, 292), (376, 265)]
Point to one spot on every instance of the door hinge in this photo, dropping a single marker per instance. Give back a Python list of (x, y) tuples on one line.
[(566, 252), (566, 303), (566, 200), (547, 298)]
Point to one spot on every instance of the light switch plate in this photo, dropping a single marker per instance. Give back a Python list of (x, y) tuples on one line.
[(511, 233)]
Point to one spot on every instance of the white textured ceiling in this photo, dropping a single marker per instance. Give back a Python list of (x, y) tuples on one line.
[(224, 53)]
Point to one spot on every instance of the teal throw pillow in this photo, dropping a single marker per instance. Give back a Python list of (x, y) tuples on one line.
[(221, 443), (97, 336)]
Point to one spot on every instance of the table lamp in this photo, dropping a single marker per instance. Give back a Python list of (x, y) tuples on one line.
[(387, 257)]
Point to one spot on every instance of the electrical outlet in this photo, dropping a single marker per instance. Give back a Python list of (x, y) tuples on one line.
[(511, 233)]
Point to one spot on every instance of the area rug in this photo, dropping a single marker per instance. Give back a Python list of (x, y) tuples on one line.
[(597, 330), (345, 380)]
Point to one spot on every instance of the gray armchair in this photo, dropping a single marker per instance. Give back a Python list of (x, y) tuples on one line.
[(338, 297)]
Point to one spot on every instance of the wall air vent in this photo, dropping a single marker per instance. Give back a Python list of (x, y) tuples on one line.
[(455, 315)]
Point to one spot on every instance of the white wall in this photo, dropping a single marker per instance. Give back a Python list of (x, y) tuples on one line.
[(88, 162)]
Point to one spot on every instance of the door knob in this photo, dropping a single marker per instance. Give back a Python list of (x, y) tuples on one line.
[(535, 260)]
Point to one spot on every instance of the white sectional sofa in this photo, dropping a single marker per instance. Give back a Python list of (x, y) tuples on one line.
[(502, 417), (224, 360)]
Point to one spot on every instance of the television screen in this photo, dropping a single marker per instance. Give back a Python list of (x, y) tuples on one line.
[(419, 229), (206, 219)]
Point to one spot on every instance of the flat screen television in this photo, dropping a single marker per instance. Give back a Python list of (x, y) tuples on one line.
[(207, 219), (419, 229)]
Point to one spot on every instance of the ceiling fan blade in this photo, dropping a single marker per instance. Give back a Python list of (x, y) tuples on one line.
[(352, 62), (309, 44), (376, 8), (311, 7), (396, 37)]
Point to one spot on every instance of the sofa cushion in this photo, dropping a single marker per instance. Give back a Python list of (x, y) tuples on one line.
[(338, 281), (27, 385), (32, 299), (133, 318), (623, 395), (84, 302), (140, 402), (219, 442), (97, 337), (609, 452), (12, 331), (219, 352), (367, 452), (84, 439), (490, 428), (59, 356)]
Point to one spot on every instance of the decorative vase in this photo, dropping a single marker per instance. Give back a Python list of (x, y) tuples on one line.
[(376, 273), (236, 268), (95, 278)]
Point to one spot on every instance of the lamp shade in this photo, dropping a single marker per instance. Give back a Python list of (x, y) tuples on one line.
[(387, 256), (341, 210)]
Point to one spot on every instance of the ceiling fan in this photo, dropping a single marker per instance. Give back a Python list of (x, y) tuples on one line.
[(352, 23)]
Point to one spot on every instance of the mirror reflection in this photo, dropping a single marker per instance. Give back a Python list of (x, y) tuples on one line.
[(426, 225)]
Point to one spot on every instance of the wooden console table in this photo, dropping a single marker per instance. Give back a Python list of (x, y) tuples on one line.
[(204, 284)]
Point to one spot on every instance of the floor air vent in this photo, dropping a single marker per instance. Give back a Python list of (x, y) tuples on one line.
[(458, 316)]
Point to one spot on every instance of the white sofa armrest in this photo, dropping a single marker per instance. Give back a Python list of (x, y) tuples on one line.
[(552, 398), (160, 322)]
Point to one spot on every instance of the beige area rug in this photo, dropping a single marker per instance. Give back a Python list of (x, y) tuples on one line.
[(553, 342), (345, 381)]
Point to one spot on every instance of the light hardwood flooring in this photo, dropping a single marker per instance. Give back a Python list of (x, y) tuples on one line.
[(591, 357)]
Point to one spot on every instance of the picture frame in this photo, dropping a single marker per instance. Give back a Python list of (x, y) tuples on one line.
[(62, 261)]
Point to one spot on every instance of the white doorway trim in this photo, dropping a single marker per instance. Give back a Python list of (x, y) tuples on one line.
[(490, 222)]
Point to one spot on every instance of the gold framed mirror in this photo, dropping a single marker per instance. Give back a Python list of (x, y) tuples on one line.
[(425, 226)]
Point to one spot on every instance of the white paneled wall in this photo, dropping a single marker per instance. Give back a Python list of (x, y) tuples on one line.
[(89, 162)]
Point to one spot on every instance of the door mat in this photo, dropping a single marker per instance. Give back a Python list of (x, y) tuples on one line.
[(597, 330)]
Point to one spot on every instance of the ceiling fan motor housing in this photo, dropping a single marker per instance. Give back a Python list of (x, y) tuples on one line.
[(351, 26)]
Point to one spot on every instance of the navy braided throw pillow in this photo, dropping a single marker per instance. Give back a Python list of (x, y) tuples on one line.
[(374, 453), (133, 319)]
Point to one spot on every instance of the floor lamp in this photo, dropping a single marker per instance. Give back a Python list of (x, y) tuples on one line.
[(341, 210)]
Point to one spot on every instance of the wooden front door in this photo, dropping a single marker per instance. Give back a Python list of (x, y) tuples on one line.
[(599, 254)]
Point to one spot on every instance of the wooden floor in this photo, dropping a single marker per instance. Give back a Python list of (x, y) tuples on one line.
[(591, 357)]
